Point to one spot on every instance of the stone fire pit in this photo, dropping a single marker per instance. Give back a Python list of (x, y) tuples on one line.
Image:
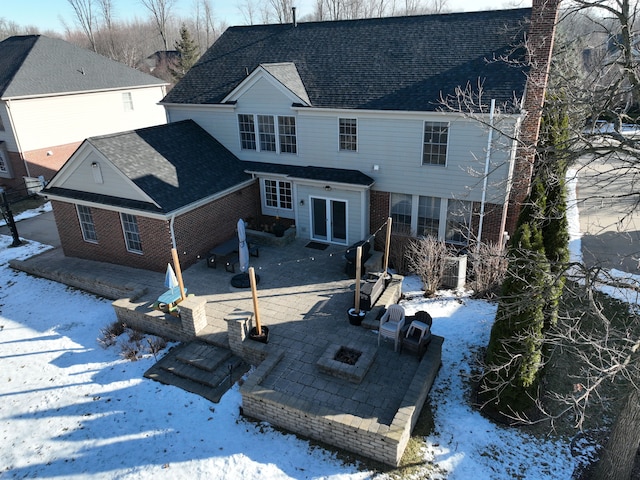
[(349, 361)]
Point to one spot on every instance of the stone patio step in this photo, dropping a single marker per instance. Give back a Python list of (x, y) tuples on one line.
[(203, 356), (181, 368)]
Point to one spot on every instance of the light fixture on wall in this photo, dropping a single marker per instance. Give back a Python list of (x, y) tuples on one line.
[(49, 153), (302, 203), (376, 168), (327, 188)]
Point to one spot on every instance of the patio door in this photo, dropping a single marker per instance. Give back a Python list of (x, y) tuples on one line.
[(329, 220)]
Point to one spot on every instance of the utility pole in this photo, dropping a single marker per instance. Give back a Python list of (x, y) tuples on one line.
[(8, 216)]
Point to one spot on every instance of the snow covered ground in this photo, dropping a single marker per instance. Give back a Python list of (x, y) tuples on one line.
[(71, 409)]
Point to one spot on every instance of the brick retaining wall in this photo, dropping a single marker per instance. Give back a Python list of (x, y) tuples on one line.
[(363, 436)]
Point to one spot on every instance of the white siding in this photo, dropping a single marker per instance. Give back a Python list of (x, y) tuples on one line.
[(392, 141), (78, 175), (50, 121)]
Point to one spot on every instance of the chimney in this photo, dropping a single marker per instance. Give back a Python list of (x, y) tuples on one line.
[(544, 16), (293, 15)]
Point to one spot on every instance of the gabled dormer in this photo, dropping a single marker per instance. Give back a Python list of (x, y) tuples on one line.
[(282, 76)]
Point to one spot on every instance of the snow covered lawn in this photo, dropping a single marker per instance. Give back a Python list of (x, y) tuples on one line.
[(71, 409)]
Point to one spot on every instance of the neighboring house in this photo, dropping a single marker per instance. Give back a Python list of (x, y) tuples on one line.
[(341, 124), (53, 95)]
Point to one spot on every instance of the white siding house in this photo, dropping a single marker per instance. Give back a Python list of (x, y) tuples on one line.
[(53, 95)]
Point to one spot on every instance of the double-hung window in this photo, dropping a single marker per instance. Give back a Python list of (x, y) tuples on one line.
[(127, 101), (287, 131), (348, 134), (268, 133), (87, 225), (277, 194), (247, 132), (428, 216), (436, 139), (458, 221), (131, 233), (401, 205)]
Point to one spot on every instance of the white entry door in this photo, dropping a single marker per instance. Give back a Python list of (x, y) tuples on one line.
[(329, 220)]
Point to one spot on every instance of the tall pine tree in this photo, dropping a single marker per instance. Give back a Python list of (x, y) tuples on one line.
[(188, 53), (538, 255)]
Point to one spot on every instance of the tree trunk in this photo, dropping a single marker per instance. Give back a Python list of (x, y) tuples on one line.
[(618, 455)]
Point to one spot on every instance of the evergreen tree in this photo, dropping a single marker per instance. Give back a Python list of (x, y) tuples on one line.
[(188, 53), (514, 355)]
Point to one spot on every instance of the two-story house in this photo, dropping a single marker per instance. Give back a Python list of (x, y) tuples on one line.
[(335, 126), (53, 95)]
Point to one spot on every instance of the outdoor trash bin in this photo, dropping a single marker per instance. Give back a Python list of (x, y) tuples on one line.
[(350, 257)]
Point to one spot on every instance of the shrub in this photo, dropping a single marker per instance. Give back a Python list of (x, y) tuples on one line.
[(426, 258), (489, 267)]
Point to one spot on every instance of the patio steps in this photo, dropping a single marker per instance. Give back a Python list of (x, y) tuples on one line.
[(200, 368)]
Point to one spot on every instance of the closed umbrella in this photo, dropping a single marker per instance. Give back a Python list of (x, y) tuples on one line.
[(243, 250), (170, 280)]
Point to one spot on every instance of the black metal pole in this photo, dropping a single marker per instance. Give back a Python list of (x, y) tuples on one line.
[(8, 215)]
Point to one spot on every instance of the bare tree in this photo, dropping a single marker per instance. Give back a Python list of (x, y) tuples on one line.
[(161, 13), (85, 17), (426, 258)]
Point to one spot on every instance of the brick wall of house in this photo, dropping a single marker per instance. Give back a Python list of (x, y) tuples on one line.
[(379, 208), (197, 232), (544, 17), (40, 163), (492, 223)]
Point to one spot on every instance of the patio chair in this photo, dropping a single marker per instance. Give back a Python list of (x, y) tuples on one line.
[(391, 324), (418, 334)]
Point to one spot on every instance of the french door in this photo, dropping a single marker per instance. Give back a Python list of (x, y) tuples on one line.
[(329, 220)]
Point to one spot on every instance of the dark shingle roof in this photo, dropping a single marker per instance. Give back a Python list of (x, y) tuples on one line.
[(321, 174), (175, 164), (33, 65), (399, 63)]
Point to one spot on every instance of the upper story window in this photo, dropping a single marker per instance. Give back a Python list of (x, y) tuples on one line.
[(277, 194), (436, 139), (348, 128), (86, 224), (287, 130), (131, 233), (127, 101), (267, 130), (272, 136), (247, 132)]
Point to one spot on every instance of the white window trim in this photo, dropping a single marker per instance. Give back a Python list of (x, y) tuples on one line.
[(127, 102), (442, 221), (277, 211), (124, 234), (446, 160), (357, 134), (84, 233), (256, 132)]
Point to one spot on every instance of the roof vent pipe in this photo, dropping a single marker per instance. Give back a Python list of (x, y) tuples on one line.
[(293, 15)]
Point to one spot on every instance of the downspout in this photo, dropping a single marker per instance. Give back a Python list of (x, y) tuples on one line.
[(486, 169)]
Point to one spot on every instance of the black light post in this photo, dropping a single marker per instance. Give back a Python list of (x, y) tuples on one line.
[(8, 216)]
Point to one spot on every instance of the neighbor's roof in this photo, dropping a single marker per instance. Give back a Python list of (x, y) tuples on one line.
[(175, 164), (395, 63), (35, 65)]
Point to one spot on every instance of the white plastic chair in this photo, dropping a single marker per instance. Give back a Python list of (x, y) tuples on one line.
[(391, 324)]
